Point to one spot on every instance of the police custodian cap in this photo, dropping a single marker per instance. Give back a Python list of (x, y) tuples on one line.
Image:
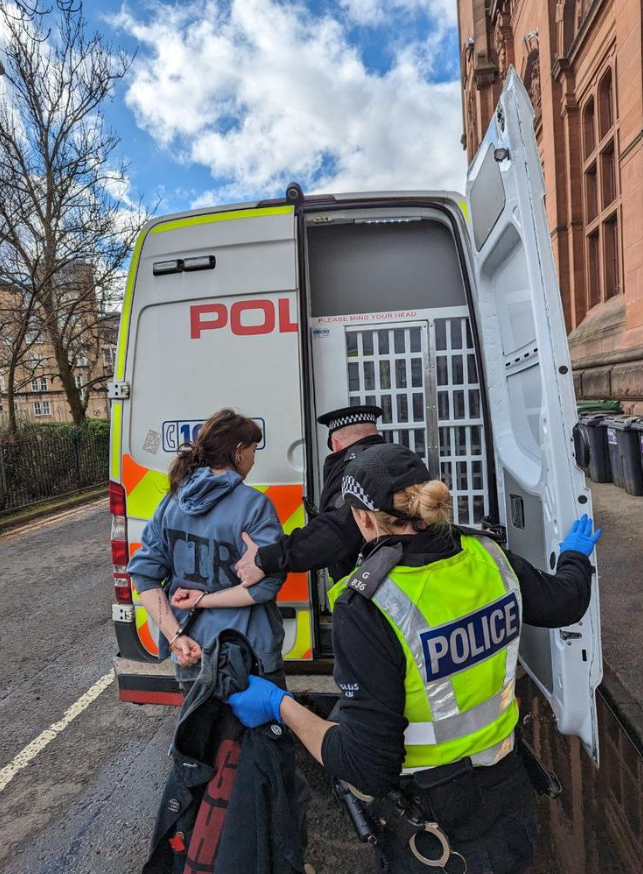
[(346, 416)]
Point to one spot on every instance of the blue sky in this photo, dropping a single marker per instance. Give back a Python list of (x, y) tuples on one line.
[(230, 99)]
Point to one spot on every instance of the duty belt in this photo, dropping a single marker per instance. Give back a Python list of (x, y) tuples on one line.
[(397, 813)]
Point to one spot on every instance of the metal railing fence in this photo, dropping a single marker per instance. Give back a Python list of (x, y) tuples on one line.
[(51, 465)]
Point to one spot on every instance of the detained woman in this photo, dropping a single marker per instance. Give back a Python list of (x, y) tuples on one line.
[(192, 543), (426, 633)]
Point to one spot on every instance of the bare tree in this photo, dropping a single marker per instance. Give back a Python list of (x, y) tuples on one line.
[(67, 224)]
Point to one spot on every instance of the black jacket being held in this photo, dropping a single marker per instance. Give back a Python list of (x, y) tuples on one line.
[(229, 801)]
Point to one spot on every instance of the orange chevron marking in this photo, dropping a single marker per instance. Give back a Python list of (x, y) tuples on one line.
[(133, 547), (287, 500), (294, 589), (132, 473)]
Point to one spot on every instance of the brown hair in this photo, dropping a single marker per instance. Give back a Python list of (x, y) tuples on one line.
[(215, 446), (424, 504)]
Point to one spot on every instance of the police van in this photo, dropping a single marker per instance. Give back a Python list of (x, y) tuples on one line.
[(442, 309)]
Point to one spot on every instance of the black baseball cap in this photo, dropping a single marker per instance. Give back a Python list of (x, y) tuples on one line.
[(346, 416), (378, 472)]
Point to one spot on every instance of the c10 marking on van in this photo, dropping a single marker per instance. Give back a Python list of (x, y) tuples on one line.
[(185, 431), (212, 316)]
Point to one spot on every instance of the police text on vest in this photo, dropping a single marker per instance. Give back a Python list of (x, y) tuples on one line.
[(456, 646)]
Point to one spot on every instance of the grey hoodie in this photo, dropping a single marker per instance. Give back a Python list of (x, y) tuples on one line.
[(194, 540)]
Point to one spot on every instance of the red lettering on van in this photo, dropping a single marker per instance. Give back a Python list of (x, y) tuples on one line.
[(197, 324), (285, 325), (269, 319), (244, 306)]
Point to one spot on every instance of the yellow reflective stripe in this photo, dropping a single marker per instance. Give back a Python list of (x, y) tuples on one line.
[(430, 755), (464, 206), (210, 218), (115, 440), (303, 647), (146, 494), (297, 520), (126, 312)]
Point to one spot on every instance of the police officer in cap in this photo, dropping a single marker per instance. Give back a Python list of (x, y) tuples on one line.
[(426, 633), (332, 539)]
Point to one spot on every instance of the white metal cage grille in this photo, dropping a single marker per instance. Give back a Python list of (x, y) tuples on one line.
[(388, 367), (460, 423)]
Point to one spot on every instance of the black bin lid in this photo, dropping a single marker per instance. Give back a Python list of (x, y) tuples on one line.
[(623, 423)]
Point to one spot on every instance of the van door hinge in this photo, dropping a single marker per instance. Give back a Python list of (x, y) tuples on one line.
[(118, 390), (570, 635), (498, 531)]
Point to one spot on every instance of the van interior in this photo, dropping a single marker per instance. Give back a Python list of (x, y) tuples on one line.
[(389, 323)]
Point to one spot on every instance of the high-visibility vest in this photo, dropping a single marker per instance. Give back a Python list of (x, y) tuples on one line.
[(458, 621)]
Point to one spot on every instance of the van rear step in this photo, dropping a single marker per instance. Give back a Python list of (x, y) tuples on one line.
[(155, 683), (147, 682)]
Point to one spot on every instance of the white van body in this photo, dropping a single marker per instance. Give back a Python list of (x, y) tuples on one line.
[(442, 309)]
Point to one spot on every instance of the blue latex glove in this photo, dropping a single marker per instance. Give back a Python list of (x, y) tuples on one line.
[(258, 703), (580, 537)]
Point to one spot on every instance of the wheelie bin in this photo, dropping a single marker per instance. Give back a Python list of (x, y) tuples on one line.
[(606, 406), (628, 450), (609, 424), (599, 469), (637, 427)]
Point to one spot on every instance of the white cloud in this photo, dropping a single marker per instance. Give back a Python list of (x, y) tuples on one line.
[(371, 12), (262, 92)]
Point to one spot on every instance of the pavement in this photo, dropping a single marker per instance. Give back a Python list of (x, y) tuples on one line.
[(81, 773), (620, 570)]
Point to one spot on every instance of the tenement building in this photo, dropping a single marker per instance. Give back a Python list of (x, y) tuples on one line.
[(582, 64)]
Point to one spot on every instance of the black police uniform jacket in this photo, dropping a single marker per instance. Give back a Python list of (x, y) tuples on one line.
[(331, 539), (229, 804)]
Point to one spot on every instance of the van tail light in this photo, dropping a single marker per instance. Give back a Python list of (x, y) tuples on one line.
[(120, 546)]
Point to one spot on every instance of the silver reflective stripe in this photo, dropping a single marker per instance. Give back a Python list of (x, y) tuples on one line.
[(411, 623), (485, 758), (463, 724), (511, 584), (495, 753)]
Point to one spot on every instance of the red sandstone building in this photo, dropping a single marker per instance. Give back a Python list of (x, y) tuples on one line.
[(582, 63)]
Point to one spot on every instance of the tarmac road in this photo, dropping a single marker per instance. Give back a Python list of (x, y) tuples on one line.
[(85, 801), (79, 788)]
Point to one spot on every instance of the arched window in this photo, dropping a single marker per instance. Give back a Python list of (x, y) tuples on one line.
[(601, 191), (589, 128), (605, 104)]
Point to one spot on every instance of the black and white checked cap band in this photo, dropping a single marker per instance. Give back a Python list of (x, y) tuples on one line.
[(350, 486), (354, 419)]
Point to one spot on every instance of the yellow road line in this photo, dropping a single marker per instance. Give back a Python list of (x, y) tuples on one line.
[(39, 743)]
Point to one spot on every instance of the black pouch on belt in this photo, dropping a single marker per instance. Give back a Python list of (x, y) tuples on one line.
[(451, 791)]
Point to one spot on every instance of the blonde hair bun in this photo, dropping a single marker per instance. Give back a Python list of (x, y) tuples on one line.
[(429, 501)]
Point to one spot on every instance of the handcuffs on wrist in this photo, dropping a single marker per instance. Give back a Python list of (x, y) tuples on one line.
[(188, 621)]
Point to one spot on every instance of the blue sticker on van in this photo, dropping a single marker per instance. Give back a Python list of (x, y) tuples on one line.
[(459, 645), (186, 430)]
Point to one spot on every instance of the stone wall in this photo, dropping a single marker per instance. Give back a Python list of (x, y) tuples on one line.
[(582, 63)]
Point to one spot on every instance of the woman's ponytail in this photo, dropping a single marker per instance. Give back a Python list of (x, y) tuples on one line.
[(185, 463), (216, 445), (429, 502)]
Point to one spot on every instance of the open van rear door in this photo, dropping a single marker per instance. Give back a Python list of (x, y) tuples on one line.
[(541, 490)]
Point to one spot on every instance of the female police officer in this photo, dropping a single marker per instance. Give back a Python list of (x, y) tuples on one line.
[(426, 633)]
